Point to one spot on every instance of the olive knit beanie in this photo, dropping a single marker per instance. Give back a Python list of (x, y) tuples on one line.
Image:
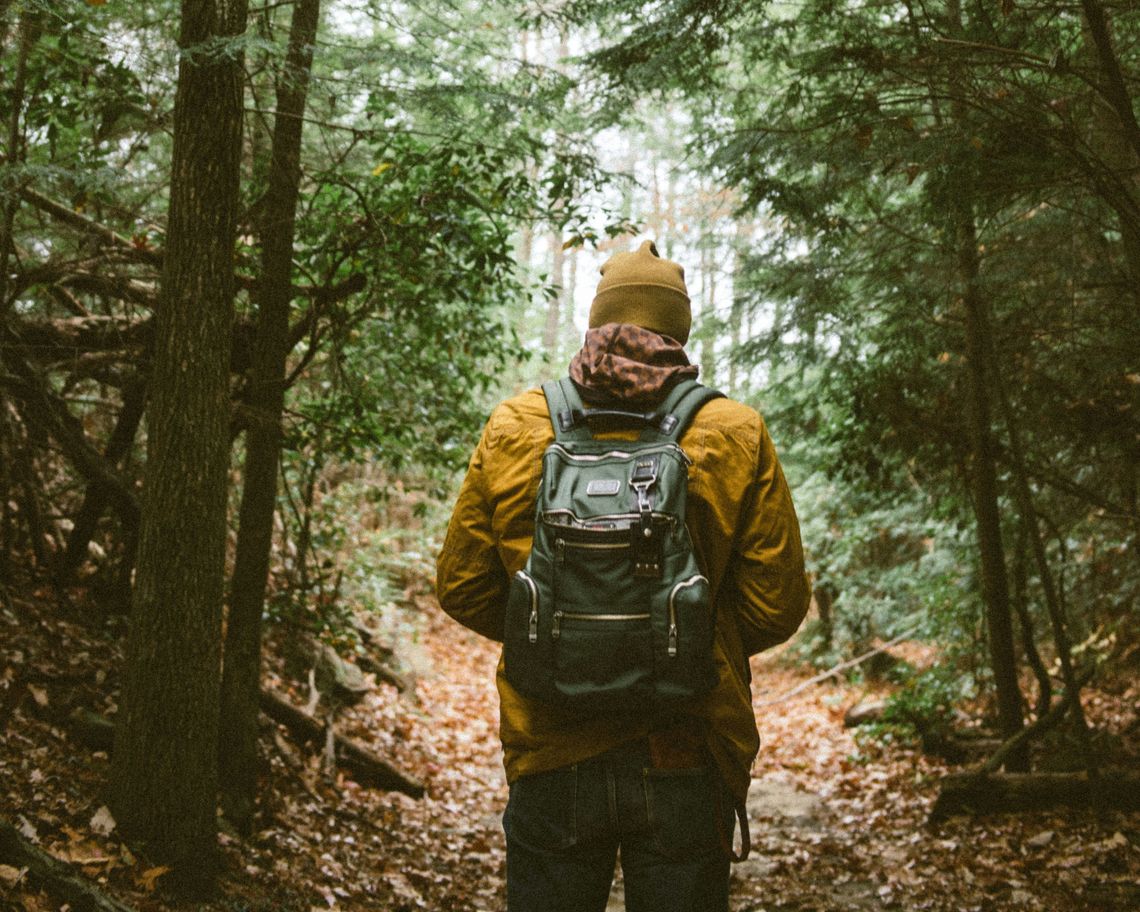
[(643, 289)]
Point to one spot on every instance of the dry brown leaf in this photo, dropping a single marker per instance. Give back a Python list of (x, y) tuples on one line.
[(148, 879), (11, 876)]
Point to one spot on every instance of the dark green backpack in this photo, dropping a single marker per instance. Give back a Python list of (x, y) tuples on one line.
[(612, 612)]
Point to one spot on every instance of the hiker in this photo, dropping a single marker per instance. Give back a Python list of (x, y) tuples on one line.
[(660, 777)]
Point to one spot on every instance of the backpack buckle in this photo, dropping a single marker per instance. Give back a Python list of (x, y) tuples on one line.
[(645, 545)]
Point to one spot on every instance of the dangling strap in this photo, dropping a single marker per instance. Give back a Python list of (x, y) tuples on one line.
[(726, 837)]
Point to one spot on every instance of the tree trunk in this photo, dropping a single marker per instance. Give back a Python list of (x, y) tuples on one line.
[(1114, 135), (164, 775), (550, 334), (983, 484), (1028, 639), (983, 463), (824, 600), (29, 29), (241, 672), (95, 498)]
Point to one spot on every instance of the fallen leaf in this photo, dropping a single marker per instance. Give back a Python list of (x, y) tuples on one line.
[(148, 879), (102, 823), (11, 876), (27, 830)]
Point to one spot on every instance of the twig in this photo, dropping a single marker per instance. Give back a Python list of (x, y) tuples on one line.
[(842, 666)]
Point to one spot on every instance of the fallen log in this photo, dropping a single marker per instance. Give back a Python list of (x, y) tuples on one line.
[(386, 673), (59, 878), (969, 793), (837, 669), (366, 767)]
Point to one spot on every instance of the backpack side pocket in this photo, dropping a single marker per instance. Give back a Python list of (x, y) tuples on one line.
[(525, 651), (684, 662)]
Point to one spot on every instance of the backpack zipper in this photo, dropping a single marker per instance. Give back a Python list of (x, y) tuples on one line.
[(616, 454), (556, 630), (561, 544), (684, 584), (550, 518)]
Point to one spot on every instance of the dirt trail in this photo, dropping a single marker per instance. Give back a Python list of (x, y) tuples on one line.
[(836, 825)]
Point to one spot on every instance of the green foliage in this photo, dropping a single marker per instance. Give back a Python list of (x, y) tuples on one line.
[(856, 131), (926, 701)]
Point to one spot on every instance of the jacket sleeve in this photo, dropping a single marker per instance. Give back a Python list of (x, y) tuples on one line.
[(471, 582), (768, 565)]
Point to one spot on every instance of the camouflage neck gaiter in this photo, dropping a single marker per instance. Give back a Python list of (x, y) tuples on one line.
[(629, 363)]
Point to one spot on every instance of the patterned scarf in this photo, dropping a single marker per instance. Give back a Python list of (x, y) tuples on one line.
[(627, 362)]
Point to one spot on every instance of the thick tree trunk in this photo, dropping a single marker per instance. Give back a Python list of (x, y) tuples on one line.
[(164, 775), (264, 402)]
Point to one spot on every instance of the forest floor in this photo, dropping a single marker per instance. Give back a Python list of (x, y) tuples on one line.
[(839, 821)]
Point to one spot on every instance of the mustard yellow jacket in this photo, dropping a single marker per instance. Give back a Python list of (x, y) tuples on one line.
[(747, 541)]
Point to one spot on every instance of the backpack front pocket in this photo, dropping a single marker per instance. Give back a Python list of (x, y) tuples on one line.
[(600, 630), (603, 659)]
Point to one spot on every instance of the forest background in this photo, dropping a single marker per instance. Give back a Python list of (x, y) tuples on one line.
[(267, 267)]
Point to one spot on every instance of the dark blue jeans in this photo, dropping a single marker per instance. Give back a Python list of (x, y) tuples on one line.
[(564, 829)]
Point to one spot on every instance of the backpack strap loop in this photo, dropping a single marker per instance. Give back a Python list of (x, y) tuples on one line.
[(565, 407), (571, 420), (676, 413)]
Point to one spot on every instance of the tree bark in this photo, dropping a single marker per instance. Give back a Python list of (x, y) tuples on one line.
[(983, 467), (164, 775), (95, 498), (1115, 89), (1028, 639), (265, 400), (13, 146), (983, 486), (550, 333), (966, 793)]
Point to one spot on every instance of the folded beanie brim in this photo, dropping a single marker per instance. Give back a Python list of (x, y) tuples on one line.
[(660, 308)]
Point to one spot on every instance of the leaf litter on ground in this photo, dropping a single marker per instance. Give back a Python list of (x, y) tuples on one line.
[(862, 841)]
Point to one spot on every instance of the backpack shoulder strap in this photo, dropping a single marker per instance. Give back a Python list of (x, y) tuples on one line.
[(565, 407), (679, 408)]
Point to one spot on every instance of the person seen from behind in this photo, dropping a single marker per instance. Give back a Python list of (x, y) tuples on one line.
[(625, 751)]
